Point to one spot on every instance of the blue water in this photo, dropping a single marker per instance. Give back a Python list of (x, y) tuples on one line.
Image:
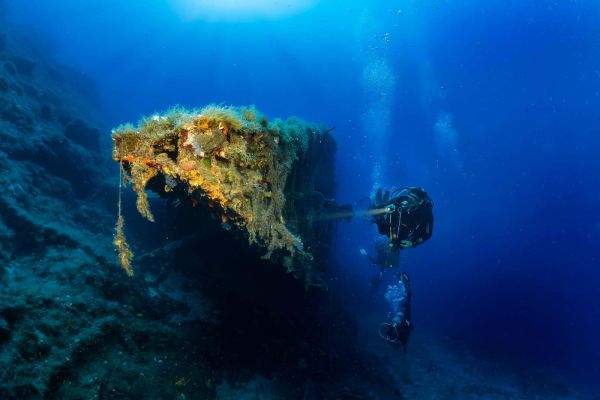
[(491, 106)]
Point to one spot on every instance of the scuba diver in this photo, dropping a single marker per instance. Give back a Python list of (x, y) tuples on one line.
[(405, 217), (399, 297)]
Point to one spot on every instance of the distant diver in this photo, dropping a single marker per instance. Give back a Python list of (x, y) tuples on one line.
[(398, 330), (405, 217)]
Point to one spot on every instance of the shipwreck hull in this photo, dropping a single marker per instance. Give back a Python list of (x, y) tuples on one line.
[(271, 181)]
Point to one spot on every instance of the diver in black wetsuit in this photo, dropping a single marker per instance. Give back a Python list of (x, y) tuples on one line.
[(405, 217), (397, 332)]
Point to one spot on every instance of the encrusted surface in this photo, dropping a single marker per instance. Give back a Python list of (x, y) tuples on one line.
[(257, 173)]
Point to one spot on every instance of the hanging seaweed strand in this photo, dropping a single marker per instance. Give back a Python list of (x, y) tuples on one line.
[(123, 250)]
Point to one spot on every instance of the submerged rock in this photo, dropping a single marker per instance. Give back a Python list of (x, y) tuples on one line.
[(69, 327), (273, 181)]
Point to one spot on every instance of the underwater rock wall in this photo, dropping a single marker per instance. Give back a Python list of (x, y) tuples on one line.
[(68, 327), (49, 157)]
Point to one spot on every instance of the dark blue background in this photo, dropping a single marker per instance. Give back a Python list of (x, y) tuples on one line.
[(512, 268)]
